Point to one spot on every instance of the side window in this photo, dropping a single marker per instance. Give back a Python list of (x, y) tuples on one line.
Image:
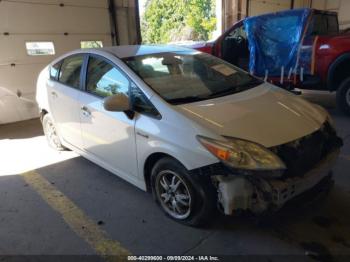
[(319, 25), (70, 71), (54, 71), (141, 103), (103, 79), (238, 33), (235, 48)]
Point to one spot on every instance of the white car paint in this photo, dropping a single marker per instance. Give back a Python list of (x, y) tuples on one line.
[(269, 109), (266, 115)]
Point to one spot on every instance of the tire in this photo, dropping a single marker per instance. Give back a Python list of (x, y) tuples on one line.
[(50, 132), (186, 199), (343, 96)]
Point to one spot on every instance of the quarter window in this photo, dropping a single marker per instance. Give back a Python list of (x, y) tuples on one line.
[(71, 70), (103, 79), (141, 103), (54, 71)]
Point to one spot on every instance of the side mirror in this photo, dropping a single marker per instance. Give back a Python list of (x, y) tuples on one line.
[(117, 103)]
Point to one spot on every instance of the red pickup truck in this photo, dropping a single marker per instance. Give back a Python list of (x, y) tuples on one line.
[(330, 56)]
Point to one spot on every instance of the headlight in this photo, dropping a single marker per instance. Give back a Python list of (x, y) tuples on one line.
[(243, 155)]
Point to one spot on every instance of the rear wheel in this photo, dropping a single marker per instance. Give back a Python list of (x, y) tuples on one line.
[(343, 96), (185, 199), (50, 131)]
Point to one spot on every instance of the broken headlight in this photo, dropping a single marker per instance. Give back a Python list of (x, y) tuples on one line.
[(243, 155)]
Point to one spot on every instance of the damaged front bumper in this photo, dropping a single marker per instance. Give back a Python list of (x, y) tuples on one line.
[(257, 195)]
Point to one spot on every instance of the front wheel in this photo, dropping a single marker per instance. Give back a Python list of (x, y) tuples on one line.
[(185, 199), (343, 96)]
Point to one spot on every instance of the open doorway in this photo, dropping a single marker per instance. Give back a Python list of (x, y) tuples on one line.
[(177, 22)]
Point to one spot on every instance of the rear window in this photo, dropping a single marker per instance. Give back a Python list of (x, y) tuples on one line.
[(319, 25), (333, 26), (324, 24)]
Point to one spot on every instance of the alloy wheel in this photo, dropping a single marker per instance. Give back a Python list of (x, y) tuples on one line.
[(173, 194)]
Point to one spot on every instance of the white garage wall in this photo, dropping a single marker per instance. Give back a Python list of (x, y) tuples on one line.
[(65, 23), (128, 25), (257, 7), (235, 10), (344, 12)]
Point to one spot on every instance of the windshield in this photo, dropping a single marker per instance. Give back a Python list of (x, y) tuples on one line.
[(184, 77)]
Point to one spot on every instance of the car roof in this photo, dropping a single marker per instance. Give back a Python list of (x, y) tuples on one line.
[(125, 51)]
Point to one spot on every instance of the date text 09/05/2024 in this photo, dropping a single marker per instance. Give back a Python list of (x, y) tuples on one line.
[(173, 258)]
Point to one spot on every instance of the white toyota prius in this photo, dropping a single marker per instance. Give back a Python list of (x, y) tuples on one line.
[(197, 132)]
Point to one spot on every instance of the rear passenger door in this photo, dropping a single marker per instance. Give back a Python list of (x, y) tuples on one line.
[(63, 92)]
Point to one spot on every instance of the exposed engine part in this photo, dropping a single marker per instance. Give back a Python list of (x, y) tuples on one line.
[(302, 155), (238, 193), (259, 194), (285, 190)]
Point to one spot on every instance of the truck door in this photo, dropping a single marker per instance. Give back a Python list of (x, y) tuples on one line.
[(234, 47)]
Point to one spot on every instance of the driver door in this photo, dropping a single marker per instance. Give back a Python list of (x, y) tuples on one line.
[(108, 136), (235, 49)]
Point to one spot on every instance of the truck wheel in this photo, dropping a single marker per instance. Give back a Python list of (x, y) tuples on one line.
[(343, 96), (184, 199)]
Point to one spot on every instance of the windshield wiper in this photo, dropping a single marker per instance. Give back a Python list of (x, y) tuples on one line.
[(233, 90), (254, 82), (236, 89), (186, 99)]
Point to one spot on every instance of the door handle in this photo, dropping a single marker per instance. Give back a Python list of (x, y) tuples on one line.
[(142, 135), (86, 111)]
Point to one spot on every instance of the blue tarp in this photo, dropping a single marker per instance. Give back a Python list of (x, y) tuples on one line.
[(275, 42)]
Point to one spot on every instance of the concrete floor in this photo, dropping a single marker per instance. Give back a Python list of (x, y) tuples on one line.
[(29, 226)]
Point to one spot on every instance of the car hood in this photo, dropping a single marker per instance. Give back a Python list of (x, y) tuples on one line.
[(266, 115)]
